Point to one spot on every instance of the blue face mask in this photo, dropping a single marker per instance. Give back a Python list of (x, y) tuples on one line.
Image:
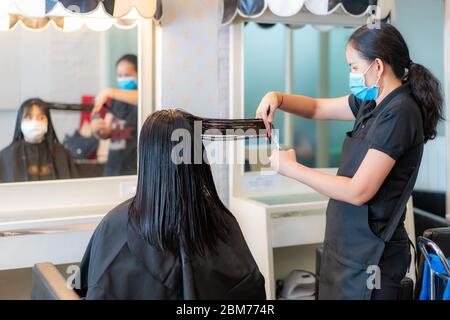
[(359, 89), (127, 83)]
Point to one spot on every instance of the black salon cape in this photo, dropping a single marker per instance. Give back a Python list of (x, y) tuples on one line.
[(119, 264), (13, 167)]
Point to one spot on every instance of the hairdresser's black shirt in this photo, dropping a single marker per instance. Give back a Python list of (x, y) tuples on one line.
[(22, 161), (393, 127), (122, 156), (120, 264)]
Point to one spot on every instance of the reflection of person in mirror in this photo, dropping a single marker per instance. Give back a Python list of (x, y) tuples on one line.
[(35, 152), (120, 122)]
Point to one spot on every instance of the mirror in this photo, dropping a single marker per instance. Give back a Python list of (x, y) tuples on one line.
[(54, 136), (305, 60)]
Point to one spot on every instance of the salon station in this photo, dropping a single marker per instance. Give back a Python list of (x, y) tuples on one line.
[(84, 83)]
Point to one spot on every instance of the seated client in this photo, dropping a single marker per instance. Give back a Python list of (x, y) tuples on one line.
[(174, 239)]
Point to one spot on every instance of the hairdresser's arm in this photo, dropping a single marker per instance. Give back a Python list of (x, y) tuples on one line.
[(127, 96), (357, 190), (306, 107)]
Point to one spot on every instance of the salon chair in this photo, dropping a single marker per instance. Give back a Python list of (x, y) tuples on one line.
[(407, 285), (440, 236), (424, 220), (430, 201), (47, 283)]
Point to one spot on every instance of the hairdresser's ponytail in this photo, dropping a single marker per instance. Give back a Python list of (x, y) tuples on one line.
[(387, 43), (426, 90)]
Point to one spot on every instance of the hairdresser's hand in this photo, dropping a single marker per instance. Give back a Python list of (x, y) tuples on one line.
[(101, 128), (101, 99), (267, 107), (283, 162), (98, 125)]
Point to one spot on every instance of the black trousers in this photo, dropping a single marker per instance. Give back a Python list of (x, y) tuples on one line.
[(394, 265)]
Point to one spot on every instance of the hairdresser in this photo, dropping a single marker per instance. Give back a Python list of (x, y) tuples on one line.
[(120, 122), (395, 105)]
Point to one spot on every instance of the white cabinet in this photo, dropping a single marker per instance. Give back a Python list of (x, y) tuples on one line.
[(280, 230), (283, 232)]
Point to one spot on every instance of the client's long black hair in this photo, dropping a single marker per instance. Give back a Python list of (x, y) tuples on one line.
[(50, 137), (176, 204)]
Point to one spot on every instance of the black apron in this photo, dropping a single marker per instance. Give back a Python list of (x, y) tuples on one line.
[(350, 245)]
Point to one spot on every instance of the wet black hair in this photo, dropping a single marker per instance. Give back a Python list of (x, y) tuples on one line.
[(50, 137), (176, 203), (131, 58), (387, 43)]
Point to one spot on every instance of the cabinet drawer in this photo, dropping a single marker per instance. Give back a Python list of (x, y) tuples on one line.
[(298, 228)]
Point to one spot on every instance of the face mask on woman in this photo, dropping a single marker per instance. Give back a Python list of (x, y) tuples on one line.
[(127, 83), (33, 130), (358, 86)]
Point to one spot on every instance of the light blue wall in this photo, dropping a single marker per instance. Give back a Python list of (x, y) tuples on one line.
[(264, 71), (306, 51), (338, 68), (337, 87), (420, 22), (119, 42), (264, 60), (306, 61), (309, 78), (422, 25)]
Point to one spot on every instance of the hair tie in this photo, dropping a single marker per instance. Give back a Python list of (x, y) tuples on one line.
[(410, 64)]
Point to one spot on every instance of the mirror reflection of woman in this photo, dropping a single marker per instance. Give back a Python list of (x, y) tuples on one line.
[(395, 105), (120, 122), (35, 152)]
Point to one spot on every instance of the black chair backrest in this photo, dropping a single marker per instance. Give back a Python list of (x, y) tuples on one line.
[(424, 220)]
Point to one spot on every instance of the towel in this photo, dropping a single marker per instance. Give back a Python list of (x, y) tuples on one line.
[(437, 266)]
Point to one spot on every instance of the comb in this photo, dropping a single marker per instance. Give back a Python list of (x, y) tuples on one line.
[(232, 129), (237, 129)]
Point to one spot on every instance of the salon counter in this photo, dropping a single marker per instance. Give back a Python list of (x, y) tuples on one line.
[(52, 221), (59, 235)]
